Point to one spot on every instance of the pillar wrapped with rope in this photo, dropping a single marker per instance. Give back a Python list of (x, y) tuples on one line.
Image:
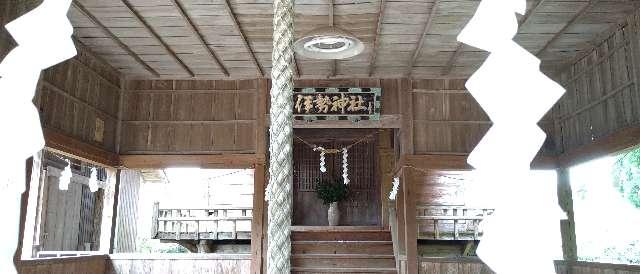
[(279, 190)]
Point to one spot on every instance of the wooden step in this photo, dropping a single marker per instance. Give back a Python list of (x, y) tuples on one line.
[(363, 261), (342, 247), (342, 235), (342, 270)]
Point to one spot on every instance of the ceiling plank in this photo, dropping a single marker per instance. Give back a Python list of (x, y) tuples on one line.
[(556, 36), (372, 60), (157, 37), (454, 57), (198, 34), (418, 49), (528, 14), (81, 8), (236, 24)]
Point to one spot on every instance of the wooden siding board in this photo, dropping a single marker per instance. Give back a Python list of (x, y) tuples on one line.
[(602, 91)]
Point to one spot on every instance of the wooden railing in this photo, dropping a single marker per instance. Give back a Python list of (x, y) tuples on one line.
[(217, 223), (436, 222), (61, 254)]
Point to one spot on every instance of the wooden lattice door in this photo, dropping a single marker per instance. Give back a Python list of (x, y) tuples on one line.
[(362, 207)]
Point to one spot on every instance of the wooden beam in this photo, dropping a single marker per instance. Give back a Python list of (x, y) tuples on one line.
[(60, 143), (386, 121), (556, 36), (616, 142), (198, 34), (425, 30), (142, 161), (296, 67), (243, 37), (113, 37), (259, 179), (157, 37), (372, 59), (459, 162)]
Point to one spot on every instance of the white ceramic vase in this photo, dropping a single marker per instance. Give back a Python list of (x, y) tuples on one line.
[(333, 215)]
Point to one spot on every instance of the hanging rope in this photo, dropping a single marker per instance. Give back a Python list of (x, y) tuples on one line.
[(336, 151), (279, 190)]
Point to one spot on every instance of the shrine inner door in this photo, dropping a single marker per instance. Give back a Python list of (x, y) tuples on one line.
[(362, 206)]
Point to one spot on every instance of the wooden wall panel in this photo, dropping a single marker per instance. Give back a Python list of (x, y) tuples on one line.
[(446, 118), (191, 117), (72, 265), (77, 96), (603, 93)]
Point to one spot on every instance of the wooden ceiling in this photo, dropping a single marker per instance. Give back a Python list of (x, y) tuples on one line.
[(231, 39)]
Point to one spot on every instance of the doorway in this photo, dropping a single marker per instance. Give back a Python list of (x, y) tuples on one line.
[(362, 206)]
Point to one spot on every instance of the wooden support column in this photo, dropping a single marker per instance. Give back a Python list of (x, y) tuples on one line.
[(568, 226), (114, 218), (400, 216), (257, 220), (411, 236), (406, 105)]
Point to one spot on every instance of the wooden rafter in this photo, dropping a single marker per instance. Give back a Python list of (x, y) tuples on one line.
[(198, 34), (453, 59), (157, 37), (425, 30), (456, 54), (372, 60), (236, 24), (577, 16), (113, 37), (296, 67)]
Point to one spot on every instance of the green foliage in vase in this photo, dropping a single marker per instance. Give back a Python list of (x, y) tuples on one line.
[(626, 176), (331, 191)]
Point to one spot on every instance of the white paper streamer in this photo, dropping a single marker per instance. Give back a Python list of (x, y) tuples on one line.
[(93, 181), (394, 190), (65, 178), (345, 166), (323, 168)]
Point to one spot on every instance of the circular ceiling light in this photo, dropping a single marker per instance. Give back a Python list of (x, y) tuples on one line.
[(328, 43)]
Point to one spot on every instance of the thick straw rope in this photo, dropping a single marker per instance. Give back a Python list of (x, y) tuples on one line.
[(281, 140)]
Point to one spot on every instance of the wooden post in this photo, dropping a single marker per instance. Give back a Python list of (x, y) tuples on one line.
[(567, 227), (393, 225), (257, 214), (154, 219), (114, 218), (401, 217), (406, 103), (411, 236)]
